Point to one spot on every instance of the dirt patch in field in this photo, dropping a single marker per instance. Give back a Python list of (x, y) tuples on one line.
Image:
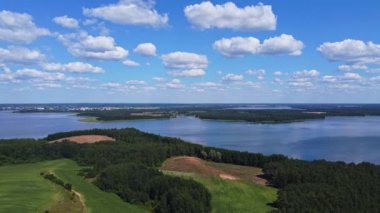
[(247, 173), (68, 202), (81, 200), (259, 178), (227, 177), (85, 139), (222, 170), (194, 165)]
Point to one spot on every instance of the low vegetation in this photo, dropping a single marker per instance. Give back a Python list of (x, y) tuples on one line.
[(56, 180)]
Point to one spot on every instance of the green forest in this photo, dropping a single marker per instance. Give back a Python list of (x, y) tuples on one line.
[(229, 112), (294, 114), (129, 166)]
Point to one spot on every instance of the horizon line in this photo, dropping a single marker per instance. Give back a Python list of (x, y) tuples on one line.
[(189, 103)]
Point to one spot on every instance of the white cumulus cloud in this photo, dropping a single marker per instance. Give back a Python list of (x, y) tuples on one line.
[(131, 63), (232, 77), (93, 47), (114, 86), (146, 49), (307, 73), (174, 84), (19, 27), (237, 46), (211, 85), (66, 21), (78, 67), (188, 73), (39, 79), (355, 54), (206, 15), (20, 55), (185, 64), (158, 79), (185, 60), (242, 46), (349, 68), (304, 79), (129, 12), (260, 73), (36, 75), (135, 82), (48, 85), (283, 44), (347, 81)]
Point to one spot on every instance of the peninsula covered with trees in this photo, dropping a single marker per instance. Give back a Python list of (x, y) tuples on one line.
[(257, 113)]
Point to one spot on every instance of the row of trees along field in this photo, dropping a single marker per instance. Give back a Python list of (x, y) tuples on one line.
[(304, 186)]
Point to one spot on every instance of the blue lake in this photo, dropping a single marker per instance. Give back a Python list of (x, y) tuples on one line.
[(350, 139)]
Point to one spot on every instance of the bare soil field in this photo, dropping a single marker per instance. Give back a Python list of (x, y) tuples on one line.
[(194, 165), (225, 171), (85, 139)]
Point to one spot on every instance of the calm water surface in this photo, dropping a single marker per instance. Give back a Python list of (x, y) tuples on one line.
[(351, 139)]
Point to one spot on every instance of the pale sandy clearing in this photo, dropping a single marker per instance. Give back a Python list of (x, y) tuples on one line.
[(85, 139), (194, 165)]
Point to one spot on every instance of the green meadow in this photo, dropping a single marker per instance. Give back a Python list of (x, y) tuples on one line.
[(234, 196), (238, 196), (23, 189)]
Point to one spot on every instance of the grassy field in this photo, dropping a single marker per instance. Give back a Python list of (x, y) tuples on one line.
[(88, 119), (244, 194), (238, 196), (22, 189), (96, 200)]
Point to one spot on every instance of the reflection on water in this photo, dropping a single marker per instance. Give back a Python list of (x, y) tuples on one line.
[(351, 139)]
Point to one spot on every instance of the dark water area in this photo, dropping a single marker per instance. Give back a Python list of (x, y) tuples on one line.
[(350, 139)]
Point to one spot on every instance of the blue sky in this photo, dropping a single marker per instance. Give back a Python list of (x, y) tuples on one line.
[(315, 51)]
